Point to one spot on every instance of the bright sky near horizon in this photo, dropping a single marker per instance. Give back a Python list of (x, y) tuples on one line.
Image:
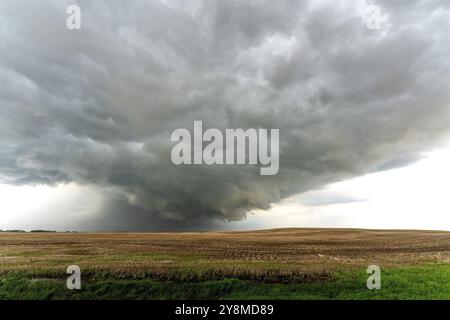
[(412, 197)]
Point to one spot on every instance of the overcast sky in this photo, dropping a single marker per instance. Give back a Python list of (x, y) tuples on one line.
[(86, 115)]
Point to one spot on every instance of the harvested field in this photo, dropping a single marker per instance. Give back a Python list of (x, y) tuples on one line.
[(281, 252), (277, 264)]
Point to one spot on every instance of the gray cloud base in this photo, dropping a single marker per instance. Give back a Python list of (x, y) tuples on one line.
[(97, 106)]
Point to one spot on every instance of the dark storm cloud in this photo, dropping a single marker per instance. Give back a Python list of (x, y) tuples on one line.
[(97, 106)]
